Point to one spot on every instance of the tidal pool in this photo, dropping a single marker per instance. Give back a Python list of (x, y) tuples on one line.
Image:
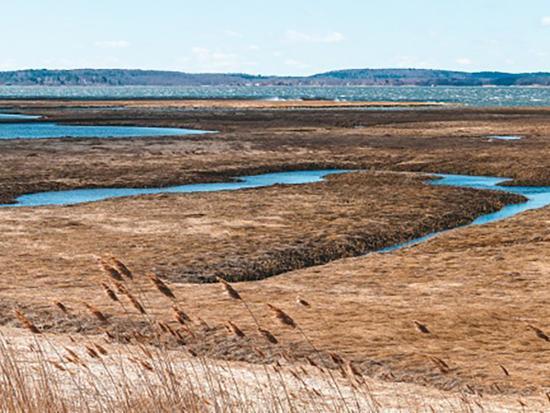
[(17, 116), (79, 196), (49, 130), (506, 137)]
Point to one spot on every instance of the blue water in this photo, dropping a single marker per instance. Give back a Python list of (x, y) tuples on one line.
[(45, 130), (506, 137), (537, 197), (471, 96), (17, 116), (79, 196)]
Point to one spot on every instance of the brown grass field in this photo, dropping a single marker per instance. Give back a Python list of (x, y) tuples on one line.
[(454, 324)]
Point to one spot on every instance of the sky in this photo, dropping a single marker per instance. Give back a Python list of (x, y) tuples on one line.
[(283, 37)]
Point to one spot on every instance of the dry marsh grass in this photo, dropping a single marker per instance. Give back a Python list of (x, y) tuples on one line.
[(244, 235), (373, 310), (56, 373), (465, 315), (252, 141), (479, 292)]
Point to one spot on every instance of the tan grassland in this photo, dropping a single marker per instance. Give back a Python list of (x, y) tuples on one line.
[(459, 323)]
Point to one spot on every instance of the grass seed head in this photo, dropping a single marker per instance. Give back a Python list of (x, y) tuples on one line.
[(61, 307), (268, 336), (122, 268), (110, 270), (232, 327), (540, 334), (28, 324), (303, 303), (161, 286), (137, 305), (234, 294), (110, 293), (96, 313), (180, 315), (421, 327), (283, 317)]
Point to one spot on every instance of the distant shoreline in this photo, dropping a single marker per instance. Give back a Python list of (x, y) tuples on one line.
[(348, 77)]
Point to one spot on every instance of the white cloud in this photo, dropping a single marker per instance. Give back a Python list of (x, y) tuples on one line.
[(296, 63), (546, 21), (300, 37), (207, 60), (112, 44), (464, 61)]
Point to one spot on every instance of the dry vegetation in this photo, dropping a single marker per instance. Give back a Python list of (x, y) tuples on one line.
[(47, 373), (478, 292), (460, 323), (252, 141), (244, 235)]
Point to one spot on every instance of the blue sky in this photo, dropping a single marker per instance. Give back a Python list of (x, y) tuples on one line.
[(276, 37)]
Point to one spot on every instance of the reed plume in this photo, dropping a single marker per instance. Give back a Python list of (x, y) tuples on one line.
[(137, 305), (61, 307), (231, 292), (110, 293), (161, 286), (96, 313), (92, 352), (121, 268), (109, 270), (232, 327), (303, 303), (180, 315), (540, 334), (25, 322), (283, 317), (421, 327), (268, 336)]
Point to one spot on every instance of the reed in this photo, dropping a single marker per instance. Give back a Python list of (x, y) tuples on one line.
[(94, 374)]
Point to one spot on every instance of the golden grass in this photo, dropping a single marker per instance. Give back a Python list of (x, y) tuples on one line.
[(87, 375), (475, 307)]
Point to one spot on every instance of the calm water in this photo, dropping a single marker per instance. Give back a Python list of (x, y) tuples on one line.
[(537, 197), (16, 116), (506, 137), (45, 130), (79, 196), (472, 96)]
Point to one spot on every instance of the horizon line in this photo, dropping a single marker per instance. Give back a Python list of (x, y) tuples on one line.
[(275, 75)]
